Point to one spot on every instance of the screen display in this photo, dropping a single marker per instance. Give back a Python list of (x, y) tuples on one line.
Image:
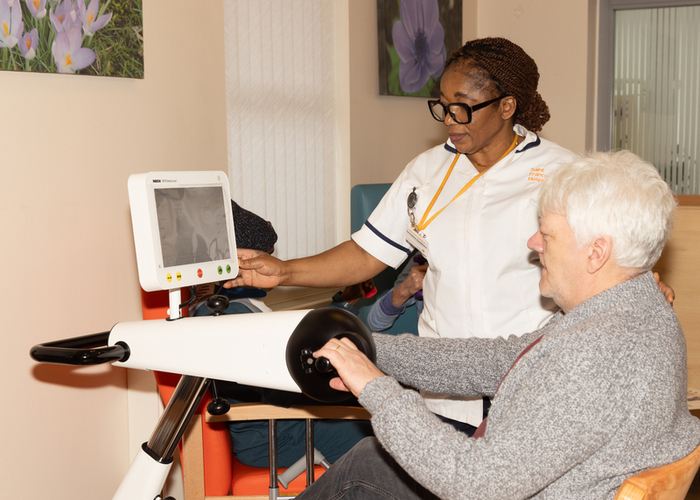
[(192, 225)]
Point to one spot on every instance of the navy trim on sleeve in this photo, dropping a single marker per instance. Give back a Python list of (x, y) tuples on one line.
[(385, 239), (531, 145)]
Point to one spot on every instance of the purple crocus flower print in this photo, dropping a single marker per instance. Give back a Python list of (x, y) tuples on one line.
[(65, 16), (11, 24), (28, 44), (37, 8), (419, 39), (68, 54), (88, 16)]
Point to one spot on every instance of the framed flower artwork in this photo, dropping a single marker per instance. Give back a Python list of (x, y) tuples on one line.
[(415, 38), (90, 37)]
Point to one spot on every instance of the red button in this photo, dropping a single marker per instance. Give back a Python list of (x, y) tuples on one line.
[(199, 273)]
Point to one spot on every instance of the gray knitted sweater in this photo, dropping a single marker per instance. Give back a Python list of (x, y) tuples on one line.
[(601, 397)]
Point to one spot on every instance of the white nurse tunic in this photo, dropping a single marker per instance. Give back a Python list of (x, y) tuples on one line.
[(482, 280)]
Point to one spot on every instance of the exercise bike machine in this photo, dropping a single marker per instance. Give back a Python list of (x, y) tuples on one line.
[(183, 230)]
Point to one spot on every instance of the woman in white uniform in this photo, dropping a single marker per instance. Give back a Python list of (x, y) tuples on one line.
[(468, 205)]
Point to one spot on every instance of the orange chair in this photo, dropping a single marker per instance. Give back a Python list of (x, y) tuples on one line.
[(209, 469), (244, 480), (670, 482)]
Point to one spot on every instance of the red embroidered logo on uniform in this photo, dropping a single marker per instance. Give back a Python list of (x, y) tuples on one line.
[(536, 175)]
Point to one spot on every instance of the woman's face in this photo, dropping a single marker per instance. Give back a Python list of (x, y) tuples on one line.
[(487, 125)]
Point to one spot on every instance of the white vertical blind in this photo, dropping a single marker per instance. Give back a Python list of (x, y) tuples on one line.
[(657, 91), (280, 93)]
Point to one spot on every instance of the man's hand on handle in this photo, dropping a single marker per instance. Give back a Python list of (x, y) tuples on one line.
[(353, 367)]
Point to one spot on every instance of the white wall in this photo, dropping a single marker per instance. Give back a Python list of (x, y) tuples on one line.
[(67, 263)]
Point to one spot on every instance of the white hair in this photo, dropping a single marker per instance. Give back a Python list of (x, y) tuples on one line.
[(617, 195)]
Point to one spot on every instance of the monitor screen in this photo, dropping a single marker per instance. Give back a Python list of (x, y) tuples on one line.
[(192, 225)]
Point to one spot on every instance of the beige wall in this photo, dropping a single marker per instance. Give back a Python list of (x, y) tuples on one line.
[(68, 146), (387, 132), (555, 33)]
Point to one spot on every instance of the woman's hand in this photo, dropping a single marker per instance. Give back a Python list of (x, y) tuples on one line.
[(412, 284), (665, 289), (353, 367), (355, 293), (257, 269)]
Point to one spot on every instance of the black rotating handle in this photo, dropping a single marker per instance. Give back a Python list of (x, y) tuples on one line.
[(313, 332), (86, 350)]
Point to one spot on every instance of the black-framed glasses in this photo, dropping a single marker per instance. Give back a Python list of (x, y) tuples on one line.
[(461, 113)]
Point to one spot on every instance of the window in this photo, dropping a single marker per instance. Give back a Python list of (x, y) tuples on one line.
[(649, 95)]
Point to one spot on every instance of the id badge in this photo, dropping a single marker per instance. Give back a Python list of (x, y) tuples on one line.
[(417, 240)]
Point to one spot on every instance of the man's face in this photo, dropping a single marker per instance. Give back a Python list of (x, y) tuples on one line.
[(563, 262)]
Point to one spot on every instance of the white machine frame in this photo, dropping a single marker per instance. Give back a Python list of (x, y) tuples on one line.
[(245, 348), (248, 349), (224, 350)]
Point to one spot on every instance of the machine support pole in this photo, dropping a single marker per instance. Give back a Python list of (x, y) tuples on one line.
[(149, 470), (272, 444), (310, 472), (177, 415)]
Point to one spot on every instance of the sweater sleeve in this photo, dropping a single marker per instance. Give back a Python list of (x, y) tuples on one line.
[(475, 365), (383, 313), (542, 430)]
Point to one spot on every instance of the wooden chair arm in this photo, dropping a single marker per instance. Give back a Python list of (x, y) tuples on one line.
[(668, 482), (260, 411)]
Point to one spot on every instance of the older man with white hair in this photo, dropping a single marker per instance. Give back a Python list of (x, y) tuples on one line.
[(595, 396)]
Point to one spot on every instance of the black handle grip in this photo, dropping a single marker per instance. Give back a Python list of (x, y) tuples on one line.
[(82, 351), (323, 365), (313, 331)]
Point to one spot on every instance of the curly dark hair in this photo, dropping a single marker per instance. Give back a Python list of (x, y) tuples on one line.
[(511, 70)]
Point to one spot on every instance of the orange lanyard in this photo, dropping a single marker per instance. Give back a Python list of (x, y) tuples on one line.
[(423, 223)]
